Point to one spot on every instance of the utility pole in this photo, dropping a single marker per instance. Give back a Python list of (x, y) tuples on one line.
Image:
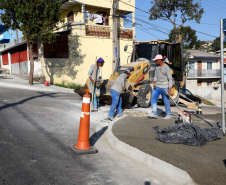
[(222, 38), (116, 59)]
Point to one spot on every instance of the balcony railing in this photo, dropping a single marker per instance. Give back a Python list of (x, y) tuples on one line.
[(204, 73), (125, 33), (105, 31), (98, 31)]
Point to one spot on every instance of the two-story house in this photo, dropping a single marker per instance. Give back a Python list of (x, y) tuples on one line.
[(86, 35), (203, 74)]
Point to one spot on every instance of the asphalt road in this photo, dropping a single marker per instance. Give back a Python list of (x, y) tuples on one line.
[(36, 129)]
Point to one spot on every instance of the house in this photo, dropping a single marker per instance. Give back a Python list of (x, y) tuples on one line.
[(16, 58), (4, 34), (224, 69), (9, 35), (219, 51), (203, 74), (86, 35), (206, 46)]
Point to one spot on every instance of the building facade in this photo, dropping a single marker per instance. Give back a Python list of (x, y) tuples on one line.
[(203, 75), (86, 35)]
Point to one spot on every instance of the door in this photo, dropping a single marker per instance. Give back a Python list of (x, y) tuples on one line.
[(177, 60), (199, 68)]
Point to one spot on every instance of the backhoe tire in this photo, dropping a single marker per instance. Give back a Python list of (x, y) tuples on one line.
[(175, 92), (144, 96)]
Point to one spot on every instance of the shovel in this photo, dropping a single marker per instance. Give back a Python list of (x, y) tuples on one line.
[(181, 112)]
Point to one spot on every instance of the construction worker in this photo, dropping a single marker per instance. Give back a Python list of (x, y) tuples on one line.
[(116, 89), (162, 81), (94, 74), (165, 59)]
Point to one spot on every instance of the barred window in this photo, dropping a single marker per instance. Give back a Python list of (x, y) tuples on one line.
[(58, 49), (70, 16), (209, 65)]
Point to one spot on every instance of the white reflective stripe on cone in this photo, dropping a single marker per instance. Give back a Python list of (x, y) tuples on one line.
[(86, 100), (82, 114)]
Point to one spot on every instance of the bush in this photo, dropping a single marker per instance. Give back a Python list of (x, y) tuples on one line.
[(68, 85)]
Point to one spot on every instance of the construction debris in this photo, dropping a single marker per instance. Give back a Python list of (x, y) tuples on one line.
[(134, 113), (188, 134)]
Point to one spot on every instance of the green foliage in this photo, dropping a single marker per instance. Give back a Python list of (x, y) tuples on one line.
[(170, 9), (34, 18), (205, 101), (68, 85), (189, 38), (216, 44)]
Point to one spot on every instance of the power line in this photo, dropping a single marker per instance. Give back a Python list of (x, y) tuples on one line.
[(187, 21), (213, 7), (216, 4), (156, 29), (152, 24), (165, 20)]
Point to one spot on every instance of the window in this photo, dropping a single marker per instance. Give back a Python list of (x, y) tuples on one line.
[(70, 16), (105, 20), (199, 83), (187, 92), (209, 65), (58, 49), (192, 65), (209, 82)]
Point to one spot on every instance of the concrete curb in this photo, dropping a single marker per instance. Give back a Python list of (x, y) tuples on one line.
[(159, 168), (38, 87)]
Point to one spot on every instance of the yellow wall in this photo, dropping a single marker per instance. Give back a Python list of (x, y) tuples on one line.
[(83, 53), (108, 4)]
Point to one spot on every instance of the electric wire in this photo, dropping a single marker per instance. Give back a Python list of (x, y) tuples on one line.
[(203, 23), (216, 4), (153, 25), (213, 7), (151, 28), (163, 19)]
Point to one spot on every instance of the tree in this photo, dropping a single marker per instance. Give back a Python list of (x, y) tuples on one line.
[(36, 19), (170, 9), (189, 37), (216, 44)]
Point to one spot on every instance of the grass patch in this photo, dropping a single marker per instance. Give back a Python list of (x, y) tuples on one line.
[(205, 101), (68, 85)]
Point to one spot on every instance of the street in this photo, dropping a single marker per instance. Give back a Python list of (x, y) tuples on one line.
[(36, 129)]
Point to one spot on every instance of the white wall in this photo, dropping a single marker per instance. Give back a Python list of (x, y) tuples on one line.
[(191, 85)]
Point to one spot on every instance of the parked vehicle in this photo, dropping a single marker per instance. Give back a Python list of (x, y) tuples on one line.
[(189, 96)]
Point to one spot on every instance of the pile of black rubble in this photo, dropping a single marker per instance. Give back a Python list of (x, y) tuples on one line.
[(188, 134)]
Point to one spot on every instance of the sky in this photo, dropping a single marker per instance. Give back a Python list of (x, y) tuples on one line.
[(147, 30)]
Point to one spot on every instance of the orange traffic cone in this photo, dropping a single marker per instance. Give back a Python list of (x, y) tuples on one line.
[(83, 145)]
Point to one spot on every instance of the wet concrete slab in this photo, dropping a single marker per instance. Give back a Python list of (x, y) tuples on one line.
[(206, 165)]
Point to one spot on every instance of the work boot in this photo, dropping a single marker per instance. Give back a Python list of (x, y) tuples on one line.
[(152, 116), (167, 117), (110, 119), (94, 110), (119, 115)]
